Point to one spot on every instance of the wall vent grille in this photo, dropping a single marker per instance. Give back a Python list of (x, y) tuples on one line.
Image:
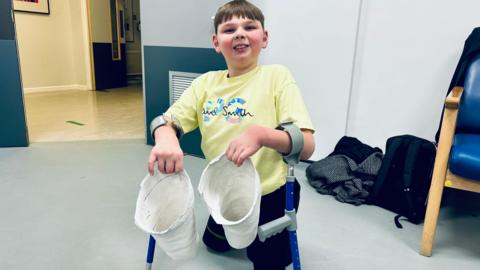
[(179, 82)]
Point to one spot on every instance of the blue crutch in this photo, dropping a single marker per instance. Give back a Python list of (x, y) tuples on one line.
[(150, 252), (289, 220)]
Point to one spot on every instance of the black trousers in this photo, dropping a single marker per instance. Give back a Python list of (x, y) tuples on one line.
[(272, 254)]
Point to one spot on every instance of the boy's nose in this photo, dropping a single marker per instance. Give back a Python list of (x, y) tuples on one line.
[(239, 35)]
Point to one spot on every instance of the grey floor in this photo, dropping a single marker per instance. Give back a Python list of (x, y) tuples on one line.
[(70, 205)]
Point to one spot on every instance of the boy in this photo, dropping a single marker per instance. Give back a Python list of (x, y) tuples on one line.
[(237, 111)]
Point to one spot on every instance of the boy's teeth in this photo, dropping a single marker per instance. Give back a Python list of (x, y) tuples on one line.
[(240, 46)]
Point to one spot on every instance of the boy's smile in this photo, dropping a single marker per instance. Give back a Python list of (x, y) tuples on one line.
[(240, 40)]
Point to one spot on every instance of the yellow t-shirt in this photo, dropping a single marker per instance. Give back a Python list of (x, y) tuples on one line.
[(224, 107)]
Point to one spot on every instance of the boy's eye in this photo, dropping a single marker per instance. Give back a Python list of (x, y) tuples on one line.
[(251, 27), (228, 30)]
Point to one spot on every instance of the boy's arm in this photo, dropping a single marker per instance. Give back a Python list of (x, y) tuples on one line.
[(166, 152), (255, 137), (179, 118)]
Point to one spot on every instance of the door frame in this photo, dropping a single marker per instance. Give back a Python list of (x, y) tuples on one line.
[(89, 40)]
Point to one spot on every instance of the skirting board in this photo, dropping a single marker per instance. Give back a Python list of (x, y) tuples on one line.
[(56, 88)]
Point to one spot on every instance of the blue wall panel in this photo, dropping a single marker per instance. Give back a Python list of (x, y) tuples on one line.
[(158, 60), (7, 31), (13, 131), (12, 113)]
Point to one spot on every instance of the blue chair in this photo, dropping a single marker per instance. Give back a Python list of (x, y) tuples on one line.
[(457, 163)]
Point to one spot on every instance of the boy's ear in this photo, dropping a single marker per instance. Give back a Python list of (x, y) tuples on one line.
[(215, 43), (265, 39)]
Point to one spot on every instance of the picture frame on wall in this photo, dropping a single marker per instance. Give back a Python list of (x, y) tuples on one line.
[(32, 6)]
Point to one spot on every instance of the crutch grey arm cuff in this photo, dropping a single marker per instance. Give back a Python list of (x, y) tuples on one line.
[(296, 140), (161, 120)]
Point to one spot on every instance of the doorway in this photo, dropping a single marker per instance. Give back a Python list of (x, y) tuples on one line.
[(59, 103)]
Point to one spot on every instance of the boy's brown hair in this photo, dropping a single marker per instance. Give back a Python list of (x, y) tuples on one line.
[(239, 8)]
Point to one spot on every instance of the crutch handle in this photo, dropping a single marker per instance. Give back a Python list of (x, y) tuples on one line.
[(288, 221), (273, 227)]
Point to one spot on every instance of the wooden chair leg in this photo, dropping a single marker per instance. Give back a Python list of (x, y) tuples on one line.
[(440, 170), (431, 216)]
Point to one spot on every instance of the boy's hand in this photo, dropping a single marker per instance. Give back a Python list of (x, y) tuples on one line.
[(167, 153), (245, 145)]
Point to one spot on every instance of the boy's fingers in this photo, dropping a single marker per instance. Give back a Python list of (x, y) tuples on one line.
[(151, 163), (234, 155), (237, 157), (161, 165), (179, 165), (240, 160), (229, 153), (169, 166), (150, 168)]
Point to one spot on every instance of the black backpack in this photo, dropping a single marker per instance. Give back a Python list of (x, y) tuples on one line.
[(404, 178)]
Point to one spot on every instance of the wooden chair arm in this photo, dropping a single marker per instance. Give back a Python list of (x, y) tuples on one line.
[(453, 99), (447, 130)]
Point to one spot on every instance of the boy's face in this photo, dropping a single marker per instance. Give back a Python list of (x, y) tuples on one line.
[(240, 40)]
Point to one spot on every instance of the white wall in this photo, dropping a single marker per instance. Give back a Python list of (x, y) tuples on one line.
[(390, 80), (185, 23), (316, 41), (77, 21), (406, 56), (51, 53)]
